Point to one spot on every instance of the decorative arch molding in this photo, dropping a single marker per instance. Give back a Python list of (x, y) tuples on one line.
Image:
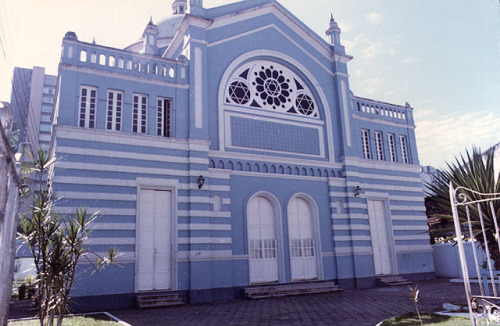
[(273, 56), (257, 167)]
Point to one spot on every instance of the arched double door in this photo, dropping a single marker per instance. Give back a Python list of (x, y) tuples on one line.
[(265, 238)]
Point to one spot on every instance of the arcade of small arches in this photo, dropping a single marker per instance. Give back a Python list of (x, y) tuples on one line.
[(274, 168)]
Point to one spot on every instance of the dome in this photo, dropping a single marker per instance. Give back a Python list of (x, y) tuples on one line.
[(167, 29)]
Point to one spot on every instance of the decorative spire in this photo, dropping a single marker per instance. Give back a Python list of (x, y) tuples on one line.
[(93, 40), (333, 32)]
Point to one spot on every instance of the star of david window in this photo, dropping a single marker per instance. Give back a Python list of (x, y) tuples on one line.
[(270, 86)]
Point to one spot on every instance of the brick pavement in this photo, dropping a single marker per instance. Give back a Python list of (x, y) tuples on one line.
[(360, 307)]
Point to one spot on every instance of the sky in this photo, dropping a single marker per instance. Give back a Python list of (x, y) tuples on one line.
[(442, 57)]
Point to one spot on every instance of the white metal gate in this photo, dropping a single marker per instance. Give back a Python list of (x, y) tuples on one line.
[(473, 213)]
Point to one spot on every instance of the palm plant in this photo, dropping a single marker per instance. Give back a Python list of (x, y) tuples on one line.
[(57, 244), (474, 171)]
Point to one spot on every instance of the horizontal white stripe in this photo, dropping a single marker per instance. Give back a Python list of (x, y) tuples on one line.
[(355, 205), (195, 240), (347, 227), (195, 213), (219, 174), (130, 155), (373, 176), (351, 238), (408, 208), (204, 227), (201, 200), (408, 218), (122, 76), (111, 241), (117, 137), (97, 210), (384, 187), (337, 194), (374, 165), (343, 251), (415, 248), (384, 122), (422, 228), (96, 196), (204, 255), (112, 226), (412, 237), (95, 181)]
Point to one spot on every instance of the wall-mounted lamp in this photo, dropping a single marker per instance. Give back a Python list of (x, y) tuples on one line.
[(357, 191), (201, 181)]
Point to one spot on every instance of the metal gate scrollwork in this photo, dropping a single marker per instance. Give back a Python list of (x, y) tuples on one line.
[(471, 212)]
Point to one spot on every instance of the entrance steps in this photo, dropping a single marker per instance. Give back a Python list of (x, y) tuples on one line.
[(392, 280), (281, 290), (158, 299)]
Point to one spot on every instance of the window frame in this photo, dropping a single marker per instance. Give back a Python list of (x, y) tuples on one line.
[(164, 117), (391, 143), (140, 116), (87, 110), (379, 145), (365, 143), (404, 149), (114, 110)]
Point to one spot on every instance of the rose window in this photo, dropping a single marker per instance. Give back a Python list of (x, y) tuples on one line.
[(271, 86)]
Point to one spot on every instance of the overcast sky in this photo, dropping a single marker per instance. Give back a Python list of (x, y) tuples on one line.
[(441, 56)]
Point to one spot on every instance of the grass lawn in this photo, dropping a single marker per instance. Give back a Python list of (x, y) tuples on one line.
[(90, 320), (411, 319)]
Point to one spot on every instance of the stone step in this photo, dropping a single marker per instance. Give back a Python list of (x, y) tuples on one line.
[(280, 290), (156, 299), (393, 280)]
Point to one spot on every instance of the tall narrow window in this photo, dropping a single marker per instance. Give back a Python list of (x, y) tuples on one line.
[(365, 141), (404, 149), (139, 114), (392, 147), (114, 114), (379, 145), (88, 104), (164, 117)]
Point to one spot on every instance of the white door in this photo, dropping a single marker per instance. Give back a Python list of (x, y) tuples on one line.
[(262, 244), (382, 256), (153, 245), (302, 248)]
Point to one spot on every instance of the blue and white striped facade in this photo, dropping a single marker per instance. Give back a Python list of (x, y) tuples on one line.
[(304, 143)]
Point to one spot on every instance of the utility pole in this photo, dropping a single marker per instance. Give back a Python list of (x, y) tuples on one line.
[(9, 205)]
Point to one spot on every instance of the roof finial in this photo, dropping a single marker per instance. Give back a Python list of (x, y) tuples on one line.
[(151, 20), (93, 40)]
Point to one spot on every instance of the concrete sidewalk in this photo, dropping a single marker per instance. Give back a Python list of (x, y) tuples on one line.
[(351, 307)]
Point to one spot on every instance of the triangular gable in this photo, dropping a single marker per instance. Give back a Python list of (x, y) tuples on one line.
[(241, 11)]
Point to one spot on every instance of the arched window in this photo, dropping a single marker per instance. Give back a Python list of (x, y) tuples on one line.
[(102, 59), (120, 63), (111, 61), (83, 56), (93, 57), (129, 64)]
